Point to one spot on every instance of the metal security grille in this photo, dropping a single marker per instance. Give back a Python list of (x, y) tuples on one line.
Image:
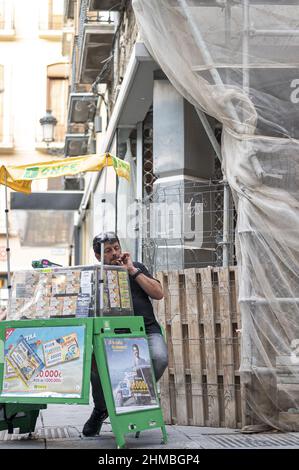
[(148, 172), (216, 215), (187, 216), (148, 245), (50, 433), (66, 432), (251, 442)]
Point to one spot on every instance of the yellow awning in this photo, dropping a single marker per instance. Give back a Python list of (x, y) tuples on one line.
[(20, 177)]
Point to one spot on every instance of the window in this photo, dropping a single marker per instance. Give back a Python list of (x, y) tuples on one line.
[(57, 94), (2, 15), (6, 15), (55, 11), (6, 140), (1, 100), (51, 16)]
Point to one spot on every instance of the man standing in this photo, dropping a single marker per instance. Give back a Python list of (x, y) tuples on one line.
[(143, 287)]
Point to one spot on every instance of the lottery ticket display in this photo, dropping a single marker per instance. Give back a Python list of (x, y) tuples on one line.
[(69, 292), (117, 293)]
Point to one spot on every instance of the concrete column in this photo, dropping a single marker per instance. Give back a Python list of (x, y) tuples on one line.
[(182, 215)]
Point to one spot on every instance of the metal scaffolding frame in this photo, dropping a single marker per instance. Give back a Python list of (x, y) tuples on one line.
[(248, 32), (252, 302)]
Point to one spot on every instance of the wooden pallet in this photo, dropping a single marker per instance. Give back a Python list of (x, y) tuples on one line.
[(289, 421), (201, 319)]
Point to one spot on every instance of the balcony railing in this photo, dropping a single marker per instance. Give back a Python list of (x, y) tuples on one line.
[(90, 17), (105, 5)]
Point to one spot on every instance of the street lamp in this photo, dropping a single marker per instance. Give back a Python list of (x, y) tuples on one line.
[(48, 122)]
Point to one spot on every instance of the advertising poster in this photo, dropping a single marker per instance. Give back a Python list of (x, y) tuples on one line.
[(131, 374), (44, 362)]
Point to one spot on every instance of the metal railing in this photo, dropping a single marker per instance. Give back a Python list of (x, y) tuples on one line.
[(74, 65), (82, 19), (88, 17), (188, 219)]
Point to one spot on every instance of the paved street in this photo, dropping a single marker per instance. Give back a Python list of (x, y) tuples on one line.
[(59, 427)]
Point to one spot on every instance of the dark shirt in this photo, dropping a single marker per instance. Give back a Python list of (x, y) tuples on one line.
[(141, 302)]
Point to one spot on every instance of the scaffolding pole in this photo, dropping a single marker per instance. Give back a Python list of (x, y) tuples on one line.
[(218, 81), (7, 243)]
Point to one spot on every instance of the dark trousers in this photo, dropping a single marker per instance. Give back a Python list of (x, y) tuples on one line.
[(96, 388)]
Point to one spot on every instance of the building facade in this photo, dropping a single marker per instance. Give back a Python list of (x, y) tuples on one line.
[(167, 216), (33, 78)]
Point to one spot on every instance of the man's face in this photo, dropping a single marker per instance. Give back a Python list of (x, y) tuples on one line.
[(112, 252)]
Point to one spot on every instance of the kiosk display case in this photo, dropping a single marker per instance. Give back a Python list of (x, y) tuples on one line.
[(69, 292)]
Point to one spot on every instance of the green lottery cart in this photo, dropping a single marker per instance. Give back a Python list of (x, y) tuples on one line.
[(54, 326)]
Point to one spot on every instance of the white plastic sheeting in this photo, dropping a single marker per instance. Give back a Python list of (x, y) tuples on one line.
[(126, 210), (239, 62)]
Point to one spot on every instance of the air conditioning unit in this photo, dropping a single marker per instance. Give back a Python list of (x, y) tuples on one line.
[(76, 144), (81, 108), (95, 49), (73, 183)]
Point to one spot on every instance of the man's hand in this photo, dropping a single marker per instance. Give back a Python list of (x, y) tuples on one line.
[(2, 313), (127, 262), (151, 286)]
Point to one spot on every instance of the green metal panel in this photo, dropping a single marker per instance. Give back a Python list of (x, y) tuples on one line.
[(20, 416), (97, 331), (133, 421), (51, 323)]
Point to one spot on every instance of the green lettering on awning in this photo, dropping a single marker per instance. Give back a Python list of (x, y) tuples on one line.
[(31, 173)]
